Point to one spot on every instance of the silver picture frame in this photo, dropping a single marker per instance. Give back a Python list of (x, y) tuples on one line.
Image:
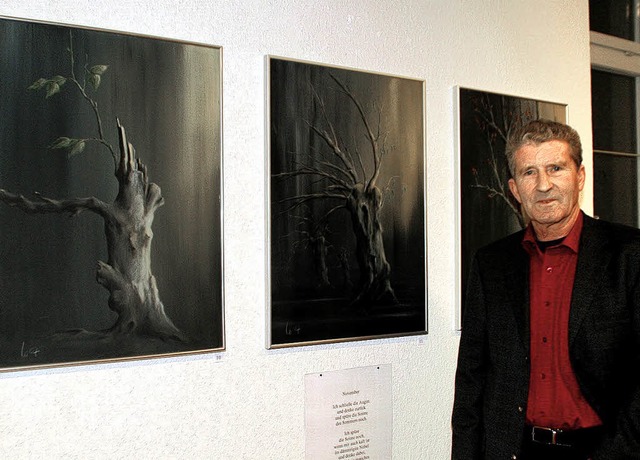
[(346, 220), (111, 222)]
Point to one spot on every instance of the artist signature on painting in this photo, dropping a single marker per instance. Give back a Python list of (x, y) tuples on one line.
[(29, 352), (292, 329)]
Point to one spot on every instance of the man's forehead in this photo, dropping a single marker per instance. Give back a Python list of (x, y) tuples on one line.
[(553, 144), (543, 156), (544, 150)]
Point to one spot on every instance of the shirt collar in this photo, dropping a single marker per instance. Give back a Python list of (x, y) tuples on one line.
[(571, 241)]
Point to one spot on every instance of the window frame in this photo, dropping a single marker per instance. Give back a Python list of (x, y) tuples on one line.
[(619, 56)]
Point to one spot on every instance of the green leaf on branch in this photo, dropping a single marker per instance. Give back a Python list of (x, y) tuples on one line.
[(95, 75), (72, 146), (94, 80), (51, 86), (77, 148), (98, 69), (60, 80), (39, 83), (62, 143)]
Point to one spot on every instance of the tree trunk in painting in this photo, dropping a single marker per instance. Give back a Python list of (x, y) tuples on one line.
[(320, 251), (133, 292), (127, 274), (375, 285)]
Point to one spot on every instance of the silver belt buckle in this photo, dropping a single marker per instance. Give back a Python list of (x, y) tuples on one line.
[(554, 436)]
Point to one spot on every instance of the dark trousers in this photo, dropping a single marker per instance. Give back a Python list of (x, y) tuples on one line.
[(580, 445)]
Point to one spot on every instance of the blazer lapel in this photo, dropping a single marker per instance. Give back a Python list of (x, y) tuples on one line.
[(592, 259), (516, 285)]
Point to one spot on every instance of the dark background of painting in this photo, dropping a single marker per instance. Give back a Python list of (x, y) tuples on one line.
[(485, 218), (300, 309), (167, 96)]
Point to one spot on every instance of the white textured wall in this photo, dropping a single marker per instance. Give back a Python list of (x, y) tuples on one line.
[(248, 402)]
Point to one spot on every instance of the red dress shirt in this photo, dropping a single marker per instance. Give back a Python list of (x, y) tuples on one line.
[(555, 399)]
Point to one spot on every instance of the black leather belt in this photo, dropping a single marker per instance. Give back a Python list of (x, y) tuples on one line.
[(565, 438)]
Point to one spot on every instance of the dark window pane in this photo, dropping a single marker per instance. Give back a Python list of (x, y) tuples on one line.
[(615, 195), (612, 17), (613, 112)]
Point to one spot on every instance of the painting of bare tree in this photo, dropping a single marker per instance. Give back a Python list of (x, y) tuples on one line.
[(110, 229), (488, 211), (347, 226)]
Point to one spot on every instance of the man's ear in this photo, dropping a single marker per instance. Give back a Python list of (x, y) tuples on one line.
[(581, 177), (514, 190)]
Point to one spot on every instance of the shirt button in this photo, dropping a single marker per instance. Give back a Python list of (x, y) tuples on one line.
[(520, 409), (543, 376), (544, 339), (549, 269), (547, 303), (514, 457)]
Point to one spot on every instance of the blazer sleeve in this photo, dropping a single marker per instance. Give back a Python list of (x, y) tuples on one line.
[(470, 380), (618, 370), (607, 340)]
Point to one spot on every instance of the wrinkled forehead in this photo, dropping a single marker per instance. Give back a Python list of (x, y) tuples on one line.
[(557, 149), (543, 155)]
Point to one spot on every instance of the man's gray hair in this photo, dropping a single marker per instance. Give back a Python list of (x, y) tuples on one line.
[(538, 131)]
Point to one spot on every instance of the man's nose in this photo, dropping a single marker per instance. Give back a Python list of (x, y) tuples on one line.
[(544, 183)]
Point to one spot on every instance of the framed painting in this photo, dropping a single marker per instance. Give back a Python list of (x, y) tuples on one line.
[(110, 196), (486, 209), (347, 205)]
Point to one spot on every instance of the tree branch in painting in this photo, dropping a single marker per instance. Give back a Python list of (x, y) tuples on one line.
[(496, 121), (127, 274), (347, 179)]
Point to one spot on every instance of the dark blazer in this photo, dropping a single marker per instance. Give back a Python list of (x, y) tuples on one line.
[(492, 377)]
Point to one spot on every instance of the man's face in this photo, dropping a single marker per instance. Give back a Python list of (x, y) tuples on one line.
[(547, 183)]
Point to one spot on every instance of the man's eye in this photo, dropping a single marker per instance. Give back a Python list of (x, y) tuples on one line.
[(528, 172), (555, 168)]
